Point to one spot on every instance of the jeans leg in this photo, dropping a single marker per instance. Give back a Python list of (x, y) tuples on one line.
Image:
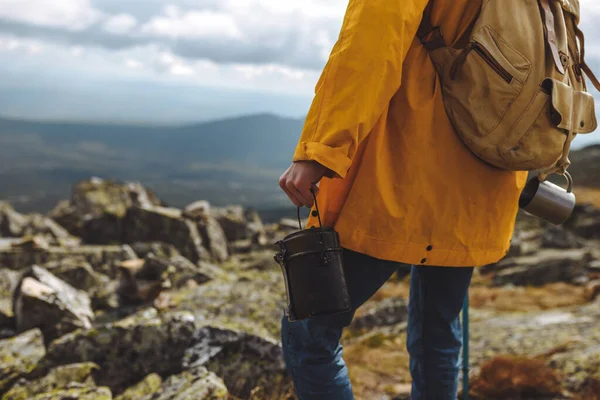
[(434, 336), (312, 349)]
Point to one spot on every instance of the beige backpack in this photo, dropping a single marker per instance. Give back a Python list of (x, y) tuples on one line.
[(515, 91)]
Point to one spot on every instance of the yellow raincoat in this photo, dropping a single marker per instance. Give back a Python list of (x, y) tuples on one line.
[(407, 189)]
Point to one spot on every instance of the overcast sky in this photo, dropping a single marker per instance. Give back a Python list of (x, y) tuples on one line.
[(173, 59)]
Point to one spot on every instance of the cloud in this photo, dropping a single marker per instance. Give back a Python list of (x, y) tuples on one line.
[(120, 24), (294, 34), (193, 25), (67, 14)]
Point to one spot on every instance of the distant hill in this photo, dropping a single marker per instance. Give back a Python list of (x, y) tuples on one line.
[(236, 160)]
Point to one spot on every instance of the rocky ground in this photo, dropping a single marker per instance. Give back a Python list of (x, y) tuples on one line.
[(115, 295)]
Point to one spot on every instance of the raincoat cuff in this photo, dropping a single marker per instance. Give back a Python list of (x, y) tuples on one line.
[(330, 157)]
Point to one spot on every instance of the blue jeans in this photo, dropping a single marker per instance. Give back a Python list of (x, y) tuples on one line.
[(312, 349)]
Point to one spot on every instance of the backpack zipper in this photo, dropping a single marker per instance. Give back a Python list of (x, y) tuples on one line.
[(492, 62)]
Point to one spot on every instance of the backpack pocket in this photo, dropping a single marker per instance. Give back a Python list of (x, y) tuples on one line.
[(484, 81), (556, 113)]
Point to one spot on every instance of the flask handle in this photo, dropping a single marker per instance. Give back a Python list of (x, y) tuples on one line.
[(317, 209)]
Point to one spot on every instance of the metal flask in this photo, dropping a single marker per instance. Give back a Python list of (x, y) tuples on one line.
[(312, 265), (548, 201)]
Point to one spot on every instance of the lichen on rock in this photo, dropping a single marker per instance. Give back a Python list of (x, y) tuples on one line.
[(19, 355)]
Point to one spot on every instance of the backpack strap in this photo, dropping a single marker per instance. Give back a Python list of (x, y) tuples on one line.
[(551, 34), (582, 64), (430, 36)]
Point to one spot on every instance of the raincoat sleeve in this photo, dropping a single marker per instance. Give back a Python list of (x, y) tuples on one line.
[(362, 74)]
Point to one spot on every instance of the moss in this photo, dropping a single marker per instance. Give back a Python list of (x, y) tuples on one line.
[(59, 378), (149, 385)]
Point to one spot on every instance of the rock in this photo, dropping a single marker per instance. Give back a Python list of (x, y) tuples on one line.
[(61, 378), (127, 350), (390, 311), (212, 233), (214, 238), (103, 259), (77, 272), (197, 210), (95, 198), (9, 280), (592, 290), (244, 361), (19, 355), (585, 221), (41, 225), (251, 305), (79, 392), (559, 238), (103, 229), (289, 224), (144, 280), (233, 221), (165, 225), (546, 267), (579, 364), (163, 250), (46, 302), (12, 223), (567, 339), (146, 387), (194, 384)]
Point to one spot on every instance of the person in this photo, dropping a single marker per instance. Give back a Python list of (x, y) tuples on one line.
[(400, 187)]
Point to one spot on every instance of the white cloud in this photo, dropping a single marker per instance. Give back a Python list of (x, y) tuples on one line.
[(120, 24), (24, 46), (69, 14), (133, 64), (175, 23)]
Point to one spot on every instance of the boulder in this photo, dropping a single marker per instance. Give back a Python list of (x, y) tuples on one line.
[(560, 238), (98, 198), (77, 272), (214, 238), (546, 267), (143, 280), (233, 221), (127, 350), (43, 301), (388, 312), (252, 304), (12, 223), (148, 386), (585, 221), (103, 229), (72, 379), (38, 224), (103, 259), (9, 280), (165, 225), (197, 210), (75, 391), (158, 249), (239, 224), (212, 233), (244, 361), (19, 355), (194, 384)]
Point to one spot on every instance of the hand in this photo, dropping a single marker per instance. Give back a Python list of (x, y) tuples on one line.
[(300, 178)]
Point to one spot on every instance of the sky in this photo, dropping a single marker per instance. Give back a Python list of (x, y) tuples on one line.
[(174, 60)]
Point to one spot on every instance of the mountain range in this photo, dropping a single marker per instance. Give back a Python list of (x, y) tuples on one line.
[(229, 161)]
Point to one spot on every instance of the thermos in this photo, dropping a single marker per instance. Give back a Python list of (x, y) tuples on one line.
[(312, 265)]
